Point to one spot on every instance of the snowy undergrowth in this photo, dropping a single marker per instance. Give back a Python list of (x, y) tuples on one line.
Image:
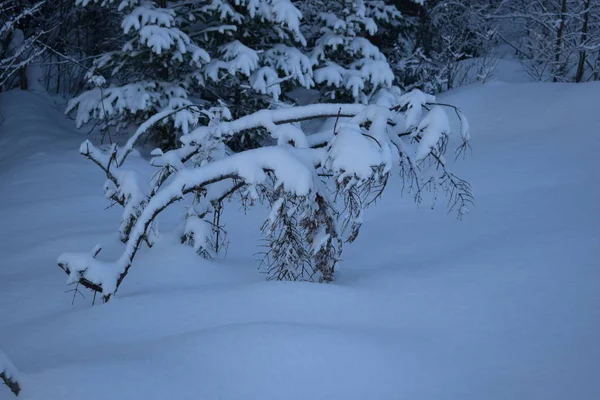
[(503, 305)]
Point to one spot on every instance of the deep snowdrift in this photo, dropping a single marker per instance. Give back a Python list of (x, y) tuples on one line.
[(503, 305)]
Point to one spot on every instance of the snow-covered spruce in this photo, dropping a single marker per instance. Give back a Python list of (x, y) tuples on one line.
[(347, 62), (176, 51), (306, 226), (151, 71), (9, 374)]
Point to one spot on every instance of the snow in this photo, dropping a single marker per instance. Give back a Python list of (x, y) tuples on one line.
[(431, 128), (269, 118), (286, 133), (266, 81), (413, 101), (239, 58), (502, 305), (145, 15), (292, 62), (332, 74), (199, 232), (105, 103), (351, 154), (286, 14), (155, 29), (85, 265)]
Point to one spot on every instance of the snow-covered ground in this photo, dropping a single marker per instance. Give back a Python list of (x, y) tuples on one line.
[(502, 305)]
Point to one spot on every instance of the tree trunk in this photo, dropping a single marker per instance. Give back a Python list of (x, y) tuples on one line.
[(23, 24), (559, 36), (23, 77), (597, 67), (582, 51)]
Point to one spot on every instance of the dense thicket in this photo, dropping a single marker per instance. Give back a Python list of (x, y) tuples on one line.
[(425, 42)]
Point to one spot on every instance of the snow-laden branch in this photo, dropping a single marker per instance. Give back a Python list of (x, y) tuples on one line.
[(269, 119), (9, 24), (356, 156), (9, 374), (251, 167)]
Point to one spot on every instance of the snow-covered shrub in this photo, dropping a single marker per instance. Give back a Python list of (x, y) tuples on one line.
[(317, 184)]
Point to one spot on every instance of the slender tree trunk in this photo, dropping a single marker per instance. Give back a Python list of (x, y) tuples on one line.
[(584, 34), (58, 75), (559, 37), (23, 24), (597, 67), (23, 77)]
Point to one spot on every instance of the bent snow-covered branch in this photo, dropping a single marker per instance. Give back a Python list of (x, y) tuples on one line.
[(9, 374), (317, 195)]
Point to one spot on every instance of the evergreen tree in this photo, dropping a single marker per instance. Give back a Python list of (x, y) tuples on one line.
[(180, 58), (349, 66)]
